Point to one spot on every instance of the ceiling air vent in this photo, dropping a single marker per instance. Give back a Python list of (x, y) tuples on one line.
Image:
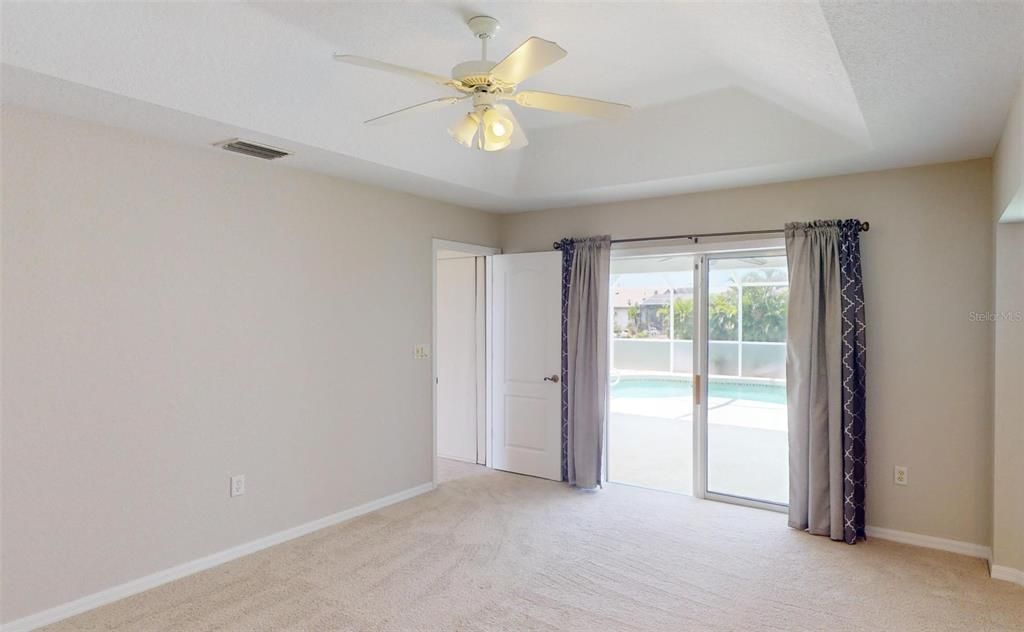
[(265, 152)]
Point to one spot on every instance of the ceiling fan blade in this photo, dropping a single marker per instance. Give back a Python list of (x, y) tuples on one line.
[(573, 105), (419, 107), (373, 64), (532, 56)]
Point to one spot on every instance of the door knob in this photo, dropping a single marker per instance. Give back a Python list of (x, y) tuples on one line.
[(553, 378)]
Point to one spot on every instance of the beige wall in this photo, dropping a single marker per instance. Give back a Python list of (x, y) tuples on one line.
[(1008, 487), (176, 315), (927, 265)]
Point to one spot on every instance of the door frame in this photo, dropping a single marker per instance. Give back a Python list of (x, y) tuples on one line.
[(480, 251)]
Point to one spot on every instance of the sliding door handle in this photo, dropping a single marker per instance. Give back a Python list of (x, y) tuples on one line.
[(553, 378), (696, 389)]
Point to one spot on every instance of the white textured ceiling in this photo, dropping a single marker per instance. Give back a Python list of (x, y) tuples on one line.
[(725, 94)]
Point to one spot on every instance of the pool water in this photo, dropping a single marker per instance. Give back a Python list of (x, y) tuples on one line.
[(652, 388)]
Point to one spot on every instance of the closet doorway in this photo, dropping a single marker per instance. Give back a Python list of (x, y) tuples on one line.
[(460, 350)]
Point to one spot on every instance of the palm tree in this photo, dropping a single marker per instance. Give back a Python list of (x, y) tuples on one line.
[(764, 313), (722, 315), (683, 318)]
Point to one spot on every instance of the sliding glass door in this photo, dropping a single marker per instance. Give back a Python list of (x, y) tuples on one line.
[(740, 407), (698, 374)]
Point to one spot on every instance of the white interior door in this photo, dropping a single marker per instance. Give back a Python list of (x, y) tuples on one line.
[(526, 339), (457, 358)]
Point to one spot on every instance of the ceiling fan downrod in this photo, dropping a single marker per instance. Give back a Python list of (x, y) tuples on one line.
[(484, 27)]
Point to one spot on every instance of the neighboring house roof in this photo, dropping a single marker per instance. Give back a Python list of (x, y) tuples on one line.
[(624, 297), (661, 298)]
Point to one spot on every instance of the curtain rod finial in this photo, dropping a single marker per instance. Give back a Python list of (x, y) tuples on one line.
[(865, 227)]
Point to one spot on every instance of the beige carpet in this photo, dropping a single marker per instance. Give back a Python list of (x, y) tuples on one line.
[(494, 551)]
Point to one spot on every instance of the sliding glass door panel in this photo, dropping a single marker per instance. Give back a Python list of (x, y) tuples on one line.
[(650, 426), (744, 417)]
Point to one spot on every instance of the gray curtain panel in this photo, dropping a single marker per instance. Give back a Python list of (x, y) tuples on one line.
[(585, 358), (825, 379)]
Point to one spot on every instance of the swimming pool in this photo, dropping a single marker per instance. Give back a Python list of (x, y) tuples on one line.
[(645, 388)]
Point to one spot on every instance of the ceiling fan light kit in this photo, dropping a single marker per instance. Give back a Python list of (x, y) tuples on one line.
[(491, 125), (464, 130)]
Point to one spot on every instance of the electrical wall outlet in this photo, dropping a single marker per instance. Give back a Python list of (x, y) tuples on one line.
[(237, 485), (901, 475), (421, 352)]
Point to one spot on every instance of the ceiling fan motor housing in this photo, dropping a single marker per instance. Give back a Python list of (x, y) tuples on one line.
[(474, 74)]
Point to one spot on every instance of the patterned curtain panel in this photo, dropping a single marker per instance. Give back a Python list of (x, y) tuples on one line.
[(854, 380), (825, 375), (566, 246), (585, 334)]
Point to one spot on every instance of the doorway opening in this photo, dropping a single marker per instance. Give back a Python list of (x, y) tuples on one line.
[(497, 357), (698, 392), (460, 344)]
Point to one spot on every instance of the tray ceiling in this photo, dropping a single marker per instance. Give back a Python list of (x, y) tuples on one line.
[(724, 94)]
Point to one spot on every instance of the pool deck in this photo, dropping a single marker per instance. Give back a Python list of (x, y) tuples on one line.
[(650, 445)]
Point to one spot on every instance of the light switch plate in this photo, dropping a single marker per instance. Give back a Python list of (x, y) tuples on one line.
[(237, 485), (421, 352)]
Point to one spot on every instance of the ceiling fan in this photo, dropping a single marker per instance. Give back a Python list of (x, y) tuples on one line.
[(491, 125)]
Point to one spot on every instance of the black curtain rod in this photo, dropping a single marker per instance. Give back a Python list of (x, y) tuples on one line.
[(864, 227)]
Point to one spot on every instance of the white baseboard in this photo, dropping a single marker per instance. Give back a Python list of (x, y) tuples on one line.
[(931, 542), (461, 459), (1008, 574), (142, 584)]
